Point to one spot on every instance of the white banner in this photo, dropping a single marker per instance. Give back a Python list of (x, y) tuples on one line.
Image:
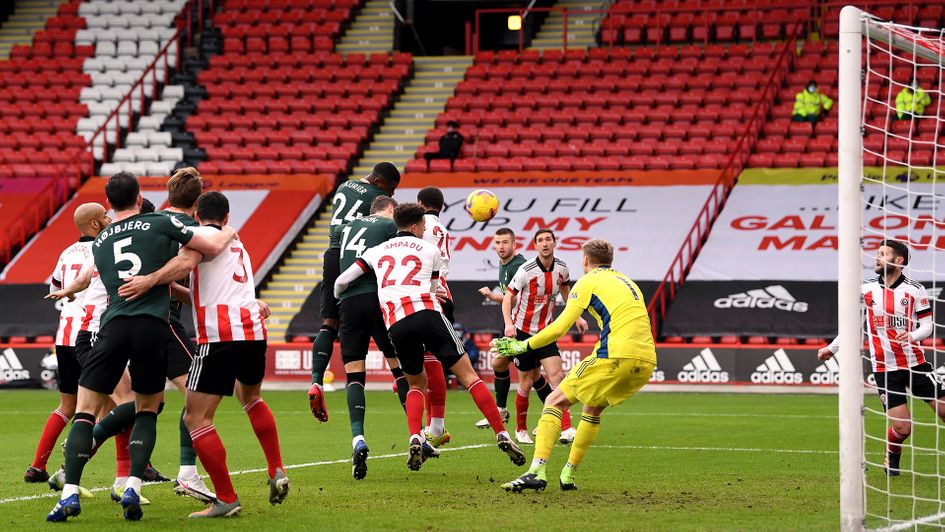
[(789, 232), (646, 225)]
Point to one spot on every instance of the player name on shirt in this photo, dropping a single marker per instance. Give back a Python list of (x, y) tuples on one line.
[(352, 200), (224, 296), (406, 268)]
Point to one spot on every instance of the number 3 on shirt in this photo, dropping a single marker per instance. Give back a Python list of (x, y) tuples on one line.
[(406, 261)]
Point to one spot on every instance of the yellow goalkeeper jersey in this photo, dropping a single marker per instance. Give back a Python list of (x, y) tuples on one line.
[(617, 304)]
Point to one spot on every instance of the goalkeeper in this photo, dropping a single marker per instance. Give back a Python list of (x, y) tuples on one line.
[(619, 366)]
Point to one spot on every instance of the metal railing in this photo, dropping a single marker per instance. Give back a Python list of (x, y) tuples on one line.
[(184, 24), (472, 35), (708, 214)]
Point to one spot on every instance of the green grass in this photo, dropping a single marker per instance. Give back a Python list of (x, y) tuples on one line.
[(662, 461)]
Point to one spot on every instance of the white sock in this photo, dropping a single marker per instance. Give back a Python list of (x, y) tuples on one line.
[(69, 490), (437, 426), (355, 440), (416, 437), (538, 462), (134, 483), (120, 482), (187, 471), (503, 433)]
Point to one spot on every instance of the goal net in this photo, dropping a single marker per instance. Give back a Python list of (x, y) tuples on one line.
[(890, 131)]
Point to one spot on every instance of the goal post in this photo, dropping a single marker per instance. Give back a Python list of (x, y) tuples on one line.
[(849, 273), (891, 152)]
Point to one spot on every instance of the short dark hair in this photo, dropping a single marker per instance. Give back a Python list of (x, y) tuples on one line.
[(381, 203), (453, 124), (900, 249), (431, 197), (122, 191), (147, 206), (407, 214), (386, 172), (505, 231), (542, 231), (213, 206), (184, 187)]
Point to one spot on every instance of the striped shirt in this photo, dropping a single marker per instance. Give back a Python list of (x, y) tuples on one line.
[(223, 296), (436, 234), (71, 262), (537, 289), (890, 311), (407, 270)]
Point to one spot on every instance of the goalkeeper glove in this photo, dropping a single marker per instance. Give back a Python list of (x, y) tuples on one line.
[(508, 347)]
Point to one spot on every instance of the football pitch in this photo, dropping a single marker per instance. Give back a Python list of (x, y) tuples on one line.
[(663, 461)]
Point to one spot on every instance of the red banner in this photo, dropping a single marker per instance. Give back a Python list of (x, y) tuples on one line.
[(267, 211)]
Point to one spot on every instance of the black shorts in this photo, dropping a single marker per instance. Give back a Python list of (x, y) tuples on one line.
[(219, 365), (448, 308), (426, 330), (142, 340), (181, 351), (920, 380), (83, 345), (331, 269), (68, 374), (361, 320), (530, 360)]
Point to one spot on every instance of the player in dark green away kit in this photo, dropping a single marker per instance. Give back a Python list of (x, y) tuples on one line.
[(352, 200), (131, 330), (361, 320)]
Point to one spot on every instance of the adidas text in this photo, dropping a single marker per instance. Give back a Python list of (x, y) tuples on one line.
[(704, 368), (773, 297), (777, 369)]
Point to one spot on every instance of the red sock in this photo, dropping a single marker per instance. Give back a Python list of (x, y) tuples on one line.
[(436, 387), (415, 403), (122, 456), (51, 431), (264, 425), (521, 411), (894, 440), (565, 419), (212, 455), (486, 404)]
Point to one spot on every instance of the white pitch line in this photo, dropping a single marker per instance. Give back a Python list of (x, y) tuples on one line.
[(714, 449), (260, 470)]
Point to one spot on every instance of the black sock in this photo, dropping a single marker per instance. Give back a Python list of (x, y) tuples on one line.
[(503, 379), (120, 418), (141, 442), (402, 386), (542, 388), (79, 446), (356, 403), (321, 352)]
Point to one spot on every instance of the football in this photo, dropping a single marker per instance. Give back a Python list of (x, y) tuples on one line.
[(482, 205)]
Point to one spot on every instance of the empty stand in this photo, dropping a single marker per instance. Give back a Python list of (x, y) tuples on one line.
[(617, 109)]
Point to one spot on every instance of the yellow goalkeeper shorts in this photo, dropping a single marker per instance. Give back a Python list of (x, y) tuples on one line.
[(605, 381)]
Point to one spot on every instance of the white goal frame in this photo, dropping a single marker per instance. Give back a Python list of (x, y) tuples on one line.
[(854, 26)]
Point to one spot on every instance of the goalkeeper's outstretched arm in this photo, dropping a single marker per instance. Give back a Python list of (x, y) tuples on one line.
[(557, 328)]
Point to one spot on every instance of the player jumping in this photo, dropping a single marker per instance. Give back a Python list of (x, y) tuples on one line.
[(407, 275), (352, 200), (619, 365), (533, 291), (899, 316)]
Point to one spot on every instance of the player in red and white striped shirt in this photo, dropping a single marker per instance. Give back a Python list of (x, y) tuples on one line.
[(231, 350), (431, 199), (90, 219), (534, 291), (898, 317), (407, 269)]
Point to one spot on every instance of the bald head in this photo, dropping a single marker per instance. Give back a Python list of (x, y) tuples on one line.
[(90, 219)]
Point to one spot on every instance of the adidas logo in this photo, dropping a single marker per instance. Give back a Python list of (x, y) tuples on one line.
[(826, 373), (658, 375), (777, 369), (704, 368), (774, 296), (10, 367)]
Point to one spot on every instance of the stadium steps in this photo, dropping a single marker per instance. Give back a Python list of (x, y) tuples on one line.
[(580, 25), (29, 16), (371, 31), (414, 113), (296, 276)]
